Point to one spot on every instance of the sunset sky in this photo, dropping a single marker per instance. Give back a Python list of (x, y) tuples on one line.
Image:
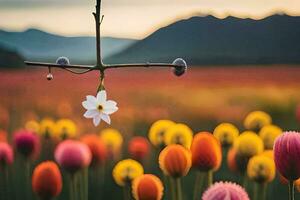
[(127, 18)]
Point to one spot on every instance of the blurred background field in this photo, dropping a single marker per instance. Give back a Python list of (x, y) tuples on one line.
[(202, 98)]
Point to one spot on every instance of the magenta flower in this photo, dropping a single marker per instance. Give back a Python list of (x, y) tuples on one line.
[(26, 143), (287, 155), (225, 191), (6, 154), (73, 155)]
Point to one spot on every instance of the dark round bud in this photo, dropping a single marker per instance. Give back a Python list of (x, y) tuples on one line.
[(49, 77), (180, 66), (63, 61)]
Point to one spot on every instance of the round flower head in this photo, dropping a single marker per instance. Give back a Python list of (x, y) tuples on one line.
[(65, 128), (226, 133), (268, 153), (268, 134), (72, 155), (157, 132), (179, 134), (47, 180), (96, 147), (26, 143), (206, 152), (3, 136), (225, 191), (261, 169), (231, 160), (286, 155), (127, 170), (47, 127), (147, 187), (256, 120), (248, 144), (138, 148), (6, 154), (175, 160), (32, 126), (112, 139)]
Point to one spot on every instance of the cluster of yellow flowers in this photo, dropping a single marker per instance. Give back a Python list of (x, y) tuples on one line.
[(252, 149), (62, 128)]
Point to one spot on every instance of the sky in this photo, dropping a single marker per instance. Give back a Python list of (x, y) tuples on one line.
[(127, 18)]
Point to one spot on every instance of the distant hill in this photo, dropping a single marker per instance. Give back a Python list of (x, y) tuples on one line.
[(10, 58), (35, 44), (208, 40)]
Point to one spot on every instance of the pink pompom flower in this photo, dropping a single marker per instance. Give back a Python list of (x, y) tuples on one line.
[(225, 191), (26, 143), (286, 155), (6, 154), (73, 155)]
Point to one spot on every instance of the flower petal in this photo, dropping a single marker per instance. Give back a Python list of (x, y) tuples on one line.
[(91, 113), (110, 103), (91, 99), (105, 118), (88, 105), (97, 120), (110, 110), (101, 96)]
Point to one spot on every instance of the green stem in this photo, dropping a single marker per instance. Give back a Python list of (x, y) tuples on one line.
[(209, 178), (126, 192), (173, 188), (291, 190), (178, 189), (71, 187), (198, 185)]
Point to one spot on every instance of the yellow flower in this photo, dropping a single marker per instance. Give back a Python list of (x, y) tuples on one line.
[(112, 139), (179, 134), (248, 144), (268, 153), (226, 133), (47, 127), (127, 170), (32, 125), (268, 134), (256, 120), (65, 128), (261, 169), (157, 132)]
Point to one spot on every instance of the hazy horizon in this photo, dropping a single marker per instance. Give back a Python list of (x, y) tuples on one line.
[(127, 18)]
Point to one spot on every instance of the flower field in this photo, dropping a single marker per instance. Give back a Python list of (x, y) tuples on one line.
[(171, 138)]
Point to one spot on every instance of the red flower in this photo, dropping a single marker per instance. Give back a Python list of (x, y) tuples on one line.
[(147, 187), (138, 148), (47, 180), (206, 152), (286, 155), (97, 147)]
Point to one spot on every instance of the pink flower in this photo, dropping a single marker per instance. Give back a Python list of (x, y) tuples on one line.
[(6, 154), (287, 155), (26, 143), (225, 191), (73, 155)]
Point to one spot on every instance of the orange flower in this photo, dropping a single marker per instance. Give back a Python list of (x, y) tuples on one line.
[(206, 152), (139, 147), (97, 147), (147, 187), (175, 160), (46, 180), (231, 160), (3, 136)]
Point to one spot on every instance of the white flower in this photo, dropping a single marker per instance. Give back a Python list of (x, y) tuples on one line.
[(99, 108)]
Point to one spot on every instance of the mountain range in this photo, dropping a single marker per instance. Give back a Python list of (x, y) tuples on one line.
[(200, 40), (207, 40), (34, 44)]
